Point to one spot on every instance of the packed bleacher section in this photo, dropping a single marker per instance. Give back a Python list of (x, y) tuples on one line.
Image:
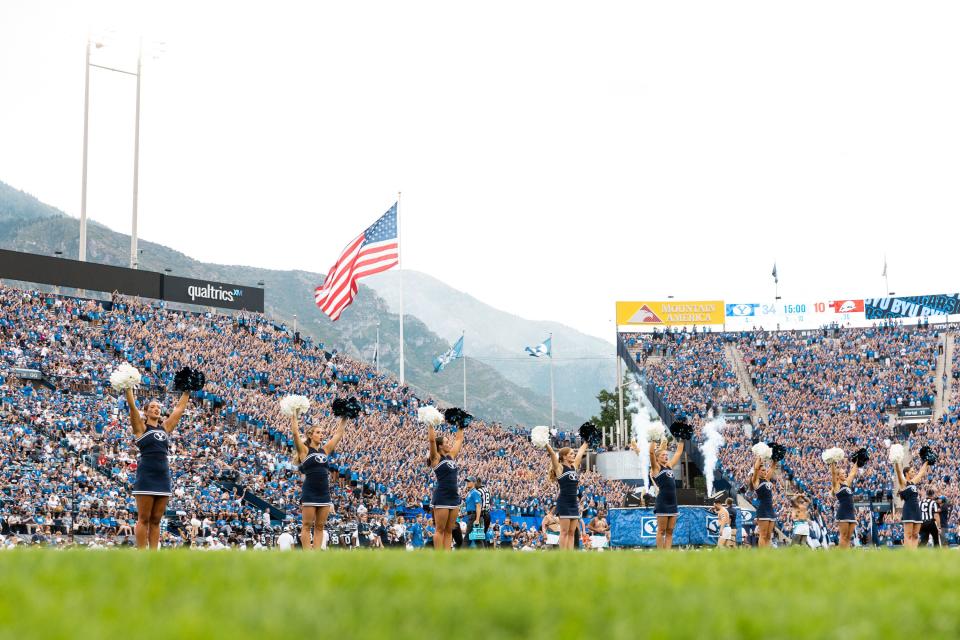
[(824, 388), (953, 384), (68, 460)]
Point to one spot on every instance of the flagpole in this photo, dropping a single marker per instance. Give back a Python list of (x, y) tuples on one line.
[(464, 358), (376, 354), (617, 438), (400, 268), (553, 422), (776, 283), (886, 278)]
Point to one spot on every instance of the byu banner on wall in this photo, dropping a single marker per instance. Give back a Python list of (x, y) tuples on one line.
[(938, 304), (637, 527)]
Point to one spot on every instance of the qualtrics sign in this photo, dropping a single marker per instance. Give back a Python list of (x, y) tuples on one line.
[(213, 294)]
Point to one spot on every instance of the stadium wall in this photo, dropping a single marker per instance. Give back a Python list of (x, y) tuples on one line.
[(64, 272)]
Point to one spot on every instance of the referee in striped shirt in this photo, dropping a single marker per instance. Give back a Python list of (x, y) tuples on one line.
[(484, 507), (929, 508)]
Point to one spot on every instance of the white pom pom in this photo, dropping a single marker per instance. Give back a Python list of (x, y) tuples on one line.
[(656, 433), (834, 454), (540, 436), (887, 443), (429, 416), (294, 405), (762, 450), (897, 453), (125, 377)]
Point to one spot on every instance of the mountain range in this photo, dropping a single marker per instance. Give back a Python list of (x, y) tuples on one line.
[(503, 384), (583, 365)]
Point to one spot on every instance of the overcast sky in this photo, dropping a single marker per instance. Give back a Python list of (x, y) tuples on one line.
[(553, 156)]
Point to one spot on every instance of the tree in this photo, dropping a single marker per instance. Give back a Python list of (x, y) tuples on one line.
[(610, 410)]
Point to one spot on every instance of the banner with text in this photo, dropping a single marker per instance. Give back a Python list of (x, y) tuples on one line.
[(670, 313), (907, 307), (802, 314)]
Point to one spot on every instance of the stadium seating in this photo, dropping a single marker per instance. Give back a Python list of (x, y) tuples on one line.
[(69, 462), (824, 388)]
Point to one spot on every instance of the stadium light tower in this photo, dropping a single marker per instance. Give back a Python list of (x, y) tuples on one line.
[(86, 130), (156, 49), (134, 261)]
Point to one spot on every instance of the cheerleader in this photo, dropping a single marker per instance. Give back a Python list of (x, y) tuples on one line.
[(563, 471), (446, 498), (153, 486), (910, 516), (761, 481), (665, 507), (843, 490), (312, 458)]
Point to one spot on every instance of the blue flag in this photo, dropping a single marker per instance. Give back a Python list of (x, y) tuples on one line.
[(446, 358), (542, 349)]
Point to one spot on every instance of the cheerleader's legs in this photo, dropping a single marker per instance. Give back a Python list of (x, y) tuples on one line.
[(156, 515), (319, 525), (444, 520), (665, 527), (451, 523), (308, 520), (568, 529), (764, 533), (149, 512), (846, 534), (911, 535), (142, 528)]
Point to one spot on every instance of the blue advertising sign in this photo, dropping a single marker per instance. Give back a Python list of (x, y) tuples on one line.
[(941, 304)]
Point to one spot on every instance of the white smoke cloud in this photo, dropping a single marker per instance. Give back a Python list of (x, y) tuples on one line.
[(642, 415), (710, 446)]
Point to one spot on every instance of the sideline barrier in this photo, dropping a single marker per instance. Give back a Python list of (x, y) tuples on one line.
[(637, 527)]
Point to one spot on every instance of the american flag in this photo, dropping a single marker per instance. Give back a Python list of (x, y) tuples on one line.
[(375, 250)]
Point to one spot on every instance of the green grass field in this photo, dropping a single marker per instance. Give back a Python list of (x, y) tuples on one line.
[(705, 594)]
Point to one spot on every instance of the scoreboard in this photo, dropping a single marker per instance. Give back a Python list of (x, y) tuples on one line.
[(795, 315)]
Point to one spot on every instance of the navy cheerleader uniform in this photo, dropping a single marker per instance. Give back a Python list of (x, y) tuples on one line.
[(153, 469), (316, 481), (568, 503), (445, 495), (845, 505), (666, 504), (765, 501), (911, 505)]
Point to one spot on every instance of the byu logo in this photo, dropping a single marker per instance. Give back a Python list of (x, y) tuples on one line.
[(160, 435), (741, 310), (648, 526), (713, 527), (746, 516)]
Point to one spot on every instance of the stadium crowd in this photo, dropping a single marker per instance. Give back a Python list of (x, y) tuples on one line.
[(69, 462), (823, 388)]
